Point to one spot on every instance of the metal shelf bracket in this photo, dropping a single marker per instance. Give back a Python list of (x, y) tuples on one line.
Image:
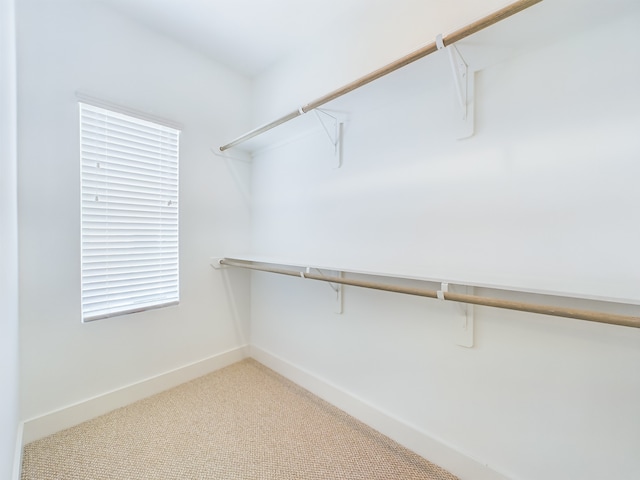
[(463, 323), (334, 128), (464, 82), (337, 288)]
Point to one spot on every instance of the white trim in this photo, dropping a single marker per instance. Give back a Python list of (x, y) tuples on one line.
[(434, 449), (17, 457), (99, 102), (55, 421)]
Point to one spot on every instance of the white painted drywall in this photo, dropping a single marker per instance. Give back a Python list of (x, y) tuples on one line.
[(544, 196), (68, 46), (346, 50), (9, 400)]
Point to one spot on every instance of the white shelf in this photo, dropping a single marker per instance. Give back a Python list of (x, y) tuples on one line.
[(410, 274)]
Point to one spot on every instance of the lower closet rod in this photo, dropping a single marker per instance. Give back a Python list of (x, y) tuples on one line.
[(588, 315)]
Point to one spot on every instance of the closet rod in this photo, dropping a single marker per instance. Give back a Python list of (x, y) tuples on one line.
[(588, 315), (464, 32)]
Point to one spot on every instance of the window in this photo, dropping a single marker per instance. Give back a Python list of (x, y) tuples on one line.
[(129, 176)]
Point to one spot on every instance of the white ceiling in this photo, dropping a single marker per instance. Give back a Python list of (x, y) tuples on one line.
[(250, 35), (247, 35)]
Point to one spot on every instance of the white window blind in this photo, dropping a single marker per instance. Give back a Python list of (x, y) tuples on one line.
[(129, 213)]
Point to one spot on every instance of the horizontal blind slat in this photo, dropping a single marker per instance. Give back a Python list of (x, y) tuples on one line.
[(130, 289), (100, 274), (129, 156), (117, 134), (106, 118), (96, 303)]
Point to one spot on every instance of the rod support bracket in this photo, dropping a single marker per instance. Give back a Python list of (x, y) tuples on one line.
[(444, 288), (336, 287), (334, 128), (463, 318), (464, 80), (464, 322)]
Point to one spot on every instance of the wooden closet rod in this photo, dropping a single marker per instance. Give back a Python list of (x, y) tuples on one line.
[(464, 32), (589, 315)]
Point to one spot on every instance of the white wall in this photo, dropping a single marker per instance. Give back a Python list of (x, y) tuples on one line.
[(546, 189), (9, 406), (353, 46), (68, 46)]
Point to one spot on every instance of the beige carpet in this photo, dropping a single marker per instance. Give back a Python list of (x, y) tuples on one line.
[(242, 422)]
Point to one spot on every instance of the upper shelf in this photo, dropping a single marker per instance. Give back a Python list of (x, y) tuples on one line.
[(483, 43), (425, 51)]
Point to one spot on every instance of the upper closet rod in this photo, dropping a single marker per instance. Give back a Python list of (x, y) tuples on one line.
[(589, 315), (464, 32)]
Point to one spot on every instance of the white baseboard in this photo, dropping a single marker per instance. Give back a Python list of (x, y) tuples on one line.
[(17, 456), (420, 442), (71, 415)]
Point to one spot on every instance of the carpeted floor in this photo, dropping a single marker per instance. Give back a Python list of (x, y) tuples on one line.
[(242, 422)]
